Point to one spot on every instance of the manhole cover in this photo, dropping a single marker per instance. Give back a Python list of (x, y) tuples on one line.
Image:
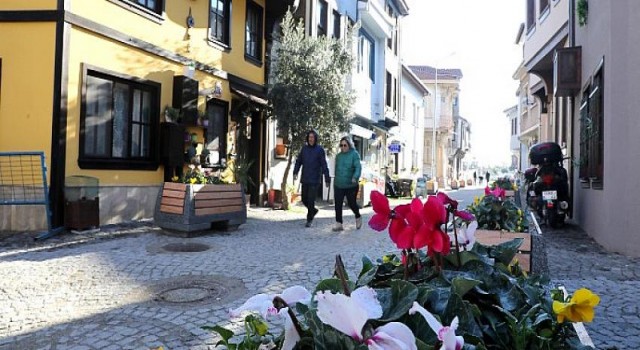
[(196, 290), (186, 295), (185, 247)]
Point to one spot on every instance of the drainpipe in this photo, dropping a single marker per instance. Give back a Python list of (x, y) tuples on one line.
[(570, 102)]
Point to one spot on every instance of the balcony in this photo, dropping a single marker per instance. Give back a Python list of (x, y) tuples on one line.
[(529, 121), (375, 19)]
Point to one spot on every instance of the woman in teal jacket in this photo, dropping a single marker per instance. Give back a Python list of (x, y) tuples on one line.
[(347, 174)]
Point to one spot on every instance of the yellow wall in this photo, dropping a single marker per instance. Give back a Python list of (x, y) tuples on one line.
[(28, 5), (171, 33), (103, 53), (26, 99)]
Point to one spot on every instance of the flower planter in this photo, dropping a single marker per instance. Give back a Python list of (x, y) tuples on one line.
[(453, 184), (190, 208), (494, 237), (461, 183)]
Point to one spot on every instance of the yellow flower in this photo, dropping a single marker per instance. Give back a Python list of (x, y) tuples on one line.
[(579, 308), (519, 212), (175, 179), (193, 180)]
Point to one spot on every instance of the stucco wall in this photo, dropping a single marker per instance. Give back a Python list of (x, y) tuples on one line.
[(613, 33)]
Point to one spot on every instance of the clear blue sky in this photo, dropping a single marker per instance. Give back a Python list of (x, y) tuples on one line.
[(482, 35)]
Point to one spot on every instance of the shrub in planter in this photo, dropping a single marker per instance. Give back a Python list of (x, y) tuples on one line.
[(494, 212), (433, 294), (504, 183)]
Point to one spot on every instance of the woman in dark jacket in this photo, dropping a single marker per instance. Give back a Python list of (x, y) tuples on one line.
[(347, 174), (313, 161)]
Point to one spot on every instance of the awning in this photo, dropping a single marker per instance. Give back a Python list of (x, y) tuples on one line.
[(360, 131), (249, 96)]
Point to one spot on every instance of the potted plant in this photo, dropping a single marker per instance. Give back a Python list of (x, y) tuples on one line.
[(240, 167), (197, 200), (457, 295)]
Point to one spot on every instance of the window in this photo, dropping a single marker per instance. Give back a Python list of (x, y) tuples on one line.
[(151, 5), (596, 151), (216, 132), (389, 90), (531, 18), (592, 133), (366, 58), (336, 25), (404, 107), (395, 95), (544, 7), (119, 122), (323, 9), (219, 17), (253, 37)]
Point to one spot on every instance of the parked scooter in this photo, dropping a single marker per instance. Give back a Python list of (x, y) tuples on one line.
[(529, 180), (551, 185), (391, 187)]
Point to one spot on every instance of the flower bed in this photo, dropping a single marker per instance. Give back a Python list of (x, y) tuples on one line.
[(191, 208), (436, 293)]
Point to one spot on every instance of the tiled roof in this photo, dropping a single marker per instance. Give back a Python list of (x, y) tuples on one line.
[(429, 73)]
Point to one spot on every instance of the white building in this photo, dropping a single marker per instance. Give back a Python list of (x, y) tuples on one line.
[(405, 144), (375, 80)]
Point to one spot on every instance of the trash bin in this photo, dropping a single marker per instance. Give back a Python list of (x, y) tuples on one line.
[(421, 187), (82, 204), (405, 187)]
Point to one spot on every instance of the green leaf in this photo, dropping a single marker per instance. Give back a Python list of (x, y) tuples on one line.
[(224, 333), (367, 265), (461, 286), (505, 252), (456, 307), (511, 299), (366, 277), (333, 285), (397, 299)]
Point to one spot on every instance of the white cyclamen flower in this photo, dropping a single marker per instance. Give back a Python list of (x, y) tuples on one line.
[(263, 303), (447, 335), (348, 314)]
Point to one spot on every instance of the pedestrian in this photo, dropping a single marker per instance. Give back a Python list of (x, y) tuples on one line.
[(481, 178), (345, 183), (313, 161), (475, 178), (487, 175)]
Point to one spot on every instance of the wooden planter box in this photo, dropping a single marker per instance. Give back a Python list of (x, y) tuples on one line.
[(190, 208), (492, 237)]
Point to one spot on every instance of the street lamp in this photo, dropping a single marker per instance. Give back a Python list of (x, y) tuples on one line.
[(435, 110)]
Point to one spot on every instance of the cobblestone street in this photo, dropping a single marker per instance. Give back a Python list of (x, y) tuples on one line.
[(117, 293), (141, 290)]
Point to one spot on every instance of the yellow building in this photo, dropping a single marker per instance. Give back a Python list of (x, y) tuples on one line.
[(88, 83)]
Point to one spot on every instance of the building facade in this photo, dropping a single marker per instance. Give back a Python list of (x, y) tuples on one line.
[(439, 156), (406, 142), (606, 123), (89, 82), (515, 146), (584, 61)]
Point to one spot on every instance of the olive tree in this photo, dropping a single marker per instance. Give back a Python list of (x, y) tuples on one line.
[(307, 88)]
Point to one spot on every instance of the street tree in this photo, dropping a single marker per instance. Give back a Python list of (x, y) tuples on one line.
[(308, 88)]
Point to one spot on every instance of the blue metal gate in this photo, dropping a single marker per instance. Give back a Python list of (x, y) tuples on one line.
[(23, 181)]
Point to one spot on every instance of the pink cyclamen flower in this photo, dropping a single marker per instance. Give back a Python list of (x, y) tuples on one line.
[(432, 236), (348, 314), (447, 335), (464, 215), (446, 200)]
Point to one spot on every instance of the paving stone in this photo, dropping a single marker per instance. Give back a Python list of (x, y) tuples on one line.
[(102, 285)]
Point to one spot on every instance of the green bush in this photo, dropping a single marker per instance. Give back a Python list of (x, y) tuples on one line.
[(494, 213)]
